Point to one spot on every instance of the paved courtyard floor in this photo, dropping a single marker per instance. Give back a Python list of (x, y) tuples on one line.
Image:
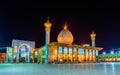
[(61, 69)]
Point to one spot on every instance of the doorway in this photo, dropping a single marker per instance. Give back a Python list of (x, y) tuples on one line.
[(23, 53)]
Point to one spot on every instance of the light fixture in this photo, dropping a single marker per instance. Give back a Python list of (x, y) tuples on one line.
[(104, 53), (112, 52)]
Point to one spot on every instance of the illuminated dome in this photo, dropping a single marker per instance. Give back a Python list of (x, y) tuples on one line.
[(65, 36)]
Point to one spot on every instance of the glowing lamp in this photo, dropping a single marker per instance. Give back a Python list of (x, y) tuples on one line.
[(32, 49), (10, 52), (36, 53), (104, 53), (112, 52), (15, 48)]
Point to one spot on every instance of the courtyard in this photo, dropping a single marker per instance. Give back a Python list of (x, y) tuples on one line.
[(108, 68)]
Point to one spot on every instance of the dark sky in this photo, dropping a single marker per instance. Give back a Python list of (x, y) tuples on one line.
[(24, 20)]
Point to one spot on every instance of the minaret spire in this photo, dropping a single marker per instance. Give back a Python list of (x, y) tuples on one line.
[(92, 31), (48, 19)]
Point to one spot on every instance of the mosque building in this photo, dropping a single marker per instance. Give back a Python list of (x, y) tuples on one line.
[(62, 51)]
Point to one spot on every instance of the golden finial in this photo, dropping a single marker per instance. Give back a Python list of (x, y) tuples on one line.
[(47, 24), (93, 35), (48, 19), (65, 26)]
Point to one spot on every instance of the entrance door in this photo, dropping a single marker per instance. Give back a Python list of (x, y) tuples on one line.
[(23, 53)]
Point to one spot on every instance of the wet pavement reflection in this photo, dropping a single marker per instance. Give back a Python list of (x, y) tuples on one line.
[(108, 68)]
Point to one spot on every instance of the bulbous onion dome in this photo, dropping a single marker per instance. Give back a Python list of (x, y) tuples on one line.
[(65, 36)]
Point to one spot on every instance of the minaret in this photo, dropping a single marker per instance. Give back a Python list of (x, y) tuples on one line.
[(47, 37), (93, 38)]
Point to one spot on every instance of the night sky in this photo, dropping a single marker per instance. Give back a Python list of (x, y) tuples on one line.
[(24, 20)]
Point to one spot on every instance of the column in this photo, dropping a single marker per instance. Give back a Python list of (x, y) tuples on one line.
[(77, 54), (7, 55), (28, 57), (38, 56), (88, 55), (92, 56), (86, 58), (47, 50), (95, 54), (67, 54), (33, 54), (84, 55), (41, 54), (17, 57), (72, 54), (57, 54), (12, 55), (62, 54)]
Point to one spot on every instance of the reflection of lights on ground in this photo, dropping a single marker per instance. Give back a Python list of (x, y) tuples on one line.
[(5, 64), (58, 69)]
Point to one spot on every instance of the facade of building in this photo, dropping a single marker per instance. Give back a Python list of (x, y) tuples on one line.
[(111, 55), (21, 51), (61, 51)]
